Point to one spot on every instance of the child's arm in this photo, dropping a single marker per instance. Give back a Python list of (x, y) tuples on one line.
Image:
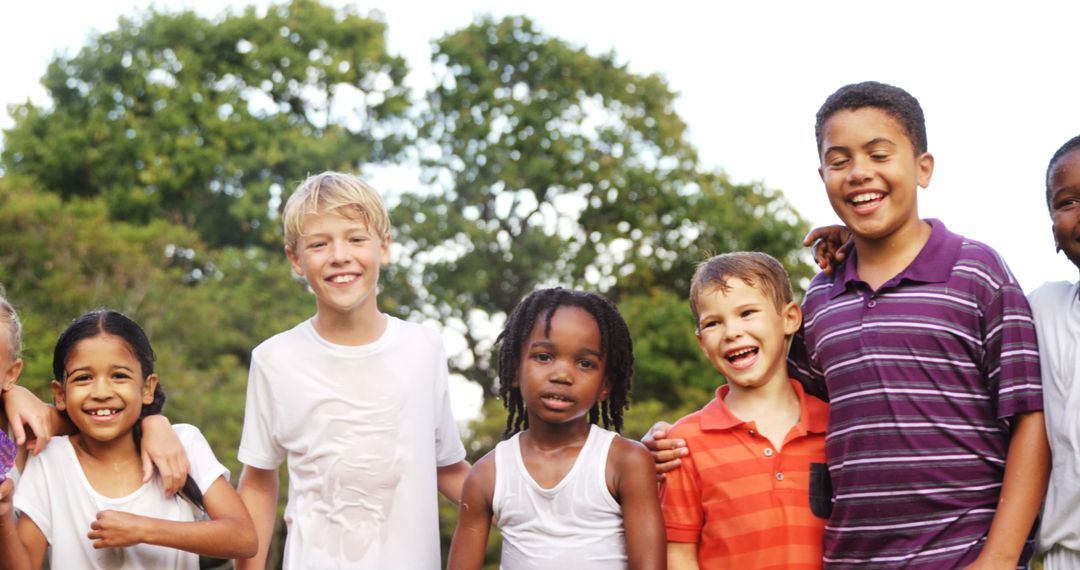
[(259, 492), (1027, 469), (682, 556), (665, 451), (228, 534), (22, 544), (635, 485), (161, 447), (451, 479), (474, 517)]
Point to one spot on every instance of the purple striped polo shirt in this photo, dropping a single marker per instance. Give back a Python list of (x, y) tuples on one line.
[(923, 377)]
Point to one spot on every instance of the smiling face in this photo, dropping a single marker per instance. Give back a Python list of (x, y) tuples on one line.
[(1064, 204), (340, 257), (743, 334), (562, 375), (103, 390), (871, 174)]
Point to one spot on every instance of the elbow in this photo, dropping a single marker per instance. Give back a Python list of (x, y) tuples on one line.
[(247, 544)]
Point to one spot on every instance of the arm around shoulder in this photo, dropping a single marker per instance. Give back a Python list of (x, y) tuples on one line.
[(451, 479), (474, 517), (635, 486), (259, 493)]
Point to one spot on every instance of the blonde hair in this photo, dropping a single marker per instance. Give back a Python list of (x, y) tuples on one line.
[(338, 192), (10, 319)]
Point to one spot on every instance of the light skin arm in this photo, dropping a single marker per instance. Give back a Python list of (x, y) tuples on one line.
[(22, 544), (161, 448), (1027, 470), (259, 492), (474, 517), (682, 556), (451, 479), (642, 518), (666, 452), (228, 534)]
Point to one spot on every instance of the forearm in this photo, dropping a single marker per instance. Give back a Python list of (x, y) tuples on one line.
[(259, 490), (682, 556), (221, 538), (1027, 469), (13, 555)]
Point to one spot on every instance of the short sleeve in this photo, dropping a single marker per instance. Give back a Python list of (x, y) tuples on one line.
[(1011, 358), (257, 446), (32, 497), (205, 467), (681, 500), (448, 447), (802, 368)]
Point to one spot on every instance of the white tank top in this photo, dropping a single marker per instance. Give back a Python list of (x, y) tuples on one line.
[(574, 525)]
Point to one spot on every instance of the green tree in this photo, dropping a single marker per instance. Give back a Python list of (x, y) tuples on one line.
[(549, 165), (209, 123)]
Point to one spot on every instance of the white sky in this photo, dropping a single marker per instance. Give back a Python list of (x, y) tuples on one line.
[(999, 85)]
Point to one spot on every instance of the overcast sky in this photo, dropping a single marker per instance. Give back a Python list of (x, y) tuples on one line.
[(999, 85)]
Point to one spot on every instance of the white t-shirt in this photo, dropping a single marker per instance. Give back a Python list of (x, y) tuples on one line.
[(1056, 308), (54, 492), (575, 524), (363, 429)]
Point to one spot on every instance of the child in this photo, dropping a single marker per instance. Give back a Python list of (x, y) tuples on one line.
[(10, 367), (564, 492), (742, 498), (84, 494), (1057, 319), (356, 400)]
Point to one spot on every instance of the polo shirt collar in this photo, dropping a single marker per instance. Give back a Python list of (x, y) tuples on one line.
[(933, 264), (813, 413)]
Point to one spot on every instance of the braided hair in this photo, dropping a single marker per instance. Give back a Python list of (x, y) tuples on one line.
[(615, 345), (104, 321)]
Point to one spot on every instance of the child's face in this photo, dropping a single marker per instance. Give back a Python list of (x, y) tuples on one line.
[(340, 259), (871, 172), (103, 390), (1065, 205), (563, 375), (743, 334)]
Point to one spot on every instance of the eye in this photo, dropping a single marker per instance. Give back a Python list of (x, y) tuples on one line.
[(709, 324), (542, 357), (838, 162), (79, 378), (879, 156), (1066, 203), (747, 312), (121, 376), (587, 364), (358, 239), (315, 244)]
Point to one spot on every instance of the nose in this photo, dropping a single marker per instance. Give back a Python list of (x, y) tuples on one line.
[(338, 251), (100, 389), (560, 374), (732, 331), (861, 170)]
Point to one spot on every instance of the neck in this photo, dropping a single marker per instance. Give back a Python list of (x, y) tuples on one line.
[(773, 398), (350, 329), (116, 451), (546, 436), (882, 259)]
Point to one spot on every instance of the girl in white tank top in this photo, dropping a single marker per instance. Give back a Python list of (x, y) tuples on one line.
[(564, 492)]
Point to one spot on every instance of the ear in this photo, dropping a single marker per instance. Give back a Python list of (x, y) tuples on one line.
[(58, 395), (11, 375), (605, 390), (792, 316), (148, 388), (821, 172), (294, 261), (384, 248), (924, 168)]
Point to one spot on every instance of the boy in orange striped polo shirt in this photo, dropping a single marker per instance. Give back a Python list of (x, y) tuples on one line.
[(752, 493)]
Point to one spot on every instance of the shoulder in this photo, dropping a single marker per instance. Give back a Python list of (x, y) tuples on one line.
[(688, 425), (983, 263), (189, 435), (630, 454), (418, 335), (481, 475), (1052, 293), (281, 342)]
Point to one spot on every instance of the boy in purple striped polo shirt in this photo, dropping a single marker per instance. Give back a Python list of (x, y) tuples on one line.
[(924, 344)]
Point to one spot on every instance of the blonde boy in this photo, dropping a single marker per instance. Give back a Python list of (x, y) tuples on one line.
[(355, 400)]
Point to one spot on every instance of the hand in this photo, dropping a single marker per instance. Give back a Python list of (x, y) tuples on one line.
[(7, 492), (665, 452), (117, 529), (161, 448), (24, 408), (830, 245)]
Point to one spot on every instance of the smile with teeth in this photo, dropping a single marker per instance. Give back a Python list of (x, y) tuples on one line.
[(740, 354), (103, 412), (557, 401), (866, 198), (343, 278)]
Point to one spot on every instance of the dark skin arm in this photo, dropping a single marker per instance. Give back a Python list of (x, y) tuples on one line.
[(474, 517), (830, 246), (631, 470), (1027, 470)]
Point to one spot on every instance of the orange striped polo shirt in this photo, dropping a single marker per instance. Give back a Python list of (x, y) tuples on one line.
[(745, 504)]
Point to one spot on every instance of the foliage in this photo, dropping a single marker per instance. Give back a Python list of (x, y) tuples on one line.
[(209, 124)]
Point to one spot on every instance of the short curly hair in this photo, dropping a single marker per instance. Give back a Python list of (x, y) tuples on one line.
[(1069, 146), (894, 101)]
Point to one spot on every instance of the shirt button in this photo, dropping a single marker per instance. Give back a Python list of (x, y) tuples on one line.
[(779, 476), (872, 304), (768, 452)]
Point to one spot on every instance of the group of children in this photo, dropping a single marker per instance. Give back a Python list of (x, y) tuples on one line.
[(930, 453)]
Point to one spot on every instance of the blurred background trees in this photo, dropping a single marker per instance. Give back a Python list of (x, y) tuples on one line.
[(153, 184)]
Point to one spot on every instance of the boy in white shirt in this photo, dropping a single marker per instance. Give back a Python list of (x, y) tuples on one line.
[(357, 401)]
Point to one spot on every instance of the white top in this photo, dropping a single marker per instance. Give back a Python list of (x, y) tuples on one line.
[(54, 492), (1057, 322), (576, 524), (363, 429)]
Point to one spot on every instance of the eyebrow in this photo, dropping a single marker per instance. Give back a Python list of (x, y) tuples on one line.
[(872, 142), (111, 368), (549, 344)]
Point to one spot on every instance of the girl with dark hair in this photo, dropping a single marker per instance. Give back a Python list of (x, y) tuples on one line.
[(564, 492), (84, 495)]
